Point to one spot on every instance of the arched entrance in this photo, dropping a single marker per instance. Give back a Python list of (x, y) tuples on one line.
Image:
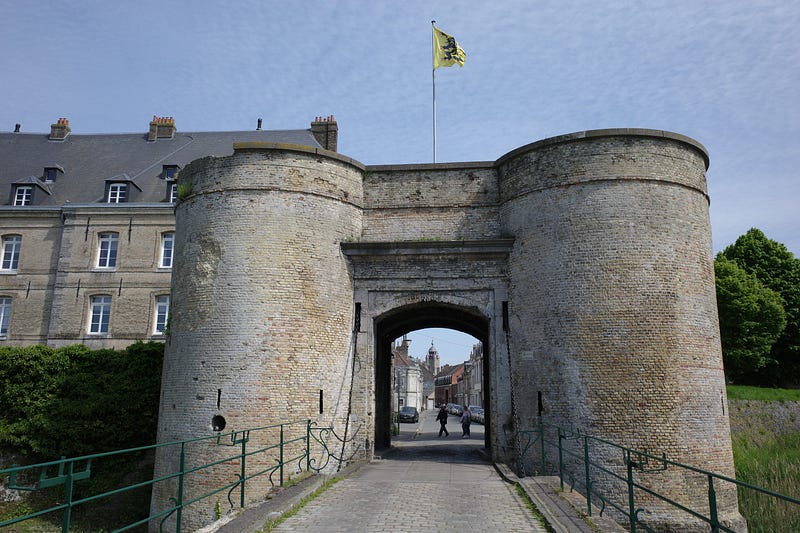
[(400, 287), (405, 319)]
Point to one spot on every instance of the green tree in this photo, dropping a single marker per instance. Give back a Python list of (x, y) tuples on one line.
[(751, 319), (777, 269)]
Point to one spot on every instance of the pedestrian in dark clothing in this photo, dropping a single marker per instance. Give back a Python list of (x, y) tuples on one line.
[(466, 418), (442, 418)]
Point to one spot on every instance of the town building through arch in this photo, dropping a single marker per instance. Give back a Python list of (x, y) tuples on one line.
[(408, 318)]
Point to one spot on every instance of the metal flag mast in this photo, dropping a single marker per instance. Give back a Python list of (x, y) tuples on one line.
[(433, 79), (446, 53)]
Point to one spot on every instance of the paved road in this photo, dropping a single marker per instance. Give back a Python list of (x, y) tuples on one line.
[(424, 484)]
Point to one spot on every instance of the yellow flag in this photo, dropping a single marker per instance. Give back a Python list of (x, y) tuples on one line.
[(446, 51)]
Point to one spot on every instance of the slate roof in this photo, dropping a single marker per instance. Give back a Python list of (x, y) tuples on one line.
[(402, 360), (88, 161)]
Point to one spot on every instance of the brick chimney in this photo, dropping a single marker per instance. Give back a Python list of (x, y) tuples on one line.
[(326, 132), (59, 130), (161, 128)]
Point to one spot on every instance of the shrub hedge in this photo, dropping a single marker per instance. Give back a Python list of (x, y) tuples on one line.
[(75, 401)]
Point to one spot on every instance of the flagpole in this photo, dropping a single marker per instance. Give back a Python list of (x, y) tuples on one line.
[(433, 80)]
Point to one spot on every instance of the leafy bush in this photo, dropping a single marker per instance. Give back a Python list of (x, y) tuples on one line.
[(74, 401)]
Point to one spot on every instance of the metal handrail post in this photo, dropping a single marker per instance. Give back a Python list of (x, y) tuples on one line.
[(588, 475), (561, 457), (66, 518), (281, 456), (541, 439), (179, 513), (631, 503), (712, 505), (308, 445), (243, 470)]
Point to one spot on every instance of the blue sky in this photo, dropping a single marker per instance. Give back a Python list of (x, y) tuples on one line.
[(453, 346), (725, 73)]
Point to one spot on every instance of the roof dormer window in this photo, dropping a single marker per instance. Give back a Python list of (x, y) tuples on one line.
[(117, 193), (51, 174), (23, 194), (119, 190), (28, 190), (168, 172)]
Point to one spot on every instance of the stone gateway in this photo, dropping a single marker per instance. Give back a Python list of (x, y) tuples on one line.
[(583, 263)]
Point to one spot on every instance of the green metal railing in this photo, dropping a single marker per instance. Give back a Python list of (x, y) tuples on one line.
[(299, 445), (619, 480)]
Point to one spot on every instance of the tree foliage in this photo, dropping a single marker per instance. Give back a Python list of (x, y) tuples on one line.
[(751, 319), (74, 401), (777, 269)]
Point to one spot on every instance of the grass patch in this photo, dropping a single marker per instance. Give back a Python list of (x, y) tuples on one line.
[(271, 524), (772, 463), (744, 392), (532, 508)]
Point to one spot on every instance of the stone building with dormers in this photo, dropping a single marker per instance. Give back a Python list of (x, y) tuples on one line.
[(87, 227)]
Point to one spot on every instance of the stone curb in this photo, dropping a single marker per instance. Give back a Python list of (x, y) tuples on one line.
[(561, 510)]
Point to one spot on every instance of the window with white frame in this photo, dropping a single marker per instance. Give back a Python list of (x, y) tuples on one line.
[(23, 195), (5, 313), (100, 312), (117, 193), (107, 250), (161, 314), (11, 246), (167, 245), (172, 187)]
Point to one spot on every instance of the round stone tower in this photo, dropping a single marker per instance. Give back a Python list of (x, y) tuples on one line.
[(612, 302), (262, 304), (610, 320)]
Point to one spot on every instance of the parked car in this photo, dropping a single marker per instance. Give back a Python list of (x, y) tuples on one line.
[(408, 414), (476, 414), (455, 409)]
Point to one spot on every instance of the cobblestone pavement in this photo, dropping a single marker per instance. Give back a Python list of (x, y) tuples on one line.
[(424, 484)]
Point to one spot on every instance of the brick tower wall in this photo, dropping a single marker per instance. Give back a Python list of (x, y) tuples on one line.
[(610, 286), (612, 300), (262, 308)]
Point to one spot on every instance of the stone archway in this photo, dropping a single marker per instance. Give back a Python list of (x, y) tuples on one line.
[(461, 285), (411, 317)]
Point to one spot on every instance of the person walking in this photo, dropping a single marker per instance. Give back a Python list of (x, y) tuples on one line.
[(442, 418), (466, 419)]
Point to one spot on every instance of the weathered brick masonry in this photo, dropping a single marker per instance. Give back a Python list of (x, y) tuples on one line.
[(597, 244)]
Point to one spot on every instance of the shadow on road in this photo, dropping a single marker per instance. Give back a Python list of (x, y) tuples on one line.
[(420, 442)]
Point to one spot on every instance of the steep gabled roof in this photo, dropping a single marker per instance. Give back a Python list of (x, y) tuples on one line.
[(401, 359)]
